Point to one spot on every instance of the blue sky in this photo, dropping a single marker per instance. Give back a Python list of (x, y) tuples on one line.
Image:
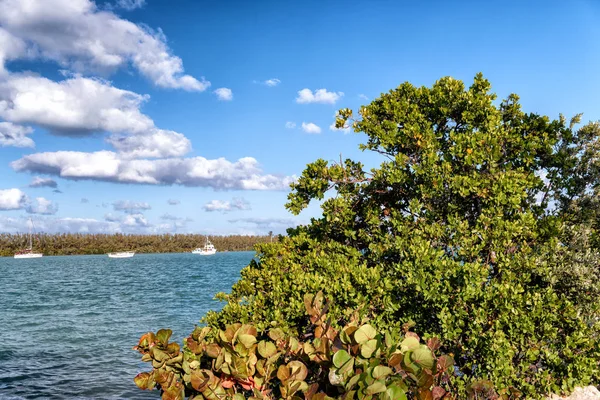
[(129, 78)]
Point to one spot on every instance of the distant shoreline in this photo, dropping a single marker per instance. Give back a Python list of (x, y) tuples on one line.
[(72, 244)]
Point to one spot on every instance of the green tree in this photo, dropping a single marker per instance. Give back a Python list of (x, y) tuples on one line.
[(479, 226)]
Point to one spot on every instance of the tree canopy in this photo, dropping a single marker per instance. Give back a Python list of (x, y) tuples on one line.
[(479, 227)]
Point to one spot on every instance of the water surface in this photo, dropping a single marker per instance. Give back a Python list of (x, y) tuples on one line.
[(68, 323)]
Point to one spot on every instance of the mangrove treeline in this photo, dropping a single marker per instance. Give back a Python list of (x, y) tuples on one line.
[(78, 244)]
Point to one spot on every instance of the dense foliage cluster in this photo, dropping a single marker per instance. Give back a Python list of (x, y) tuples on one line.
[(480, 226), (78, 244), (355, 361)]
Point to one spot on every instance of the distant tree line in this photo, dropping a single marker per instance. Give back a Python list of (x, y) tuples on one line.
[(78, 243)]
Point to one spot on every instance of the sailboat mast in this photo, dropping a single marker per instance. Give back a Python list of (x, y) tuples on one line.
[(30, 239)]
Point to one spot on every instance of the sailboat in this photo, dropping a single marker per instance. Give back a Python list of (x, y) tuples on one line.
[(28, 252), (207, 250)]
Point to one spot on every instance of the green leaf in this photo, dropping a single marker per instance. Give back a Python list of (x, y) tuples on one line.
[(266, 349), (364, 333), (340, 358), (367, 349), (376, 387), (409, 343), (394, 392), (423, 357), (247, 340), (381, 371)]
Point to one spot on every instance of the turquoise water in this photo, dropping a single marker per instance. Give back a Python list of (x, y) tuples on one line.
[(67, 324)]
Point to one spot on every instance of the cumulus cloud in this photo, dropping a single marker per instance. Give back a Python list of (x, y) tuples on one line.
[(173, 202), (73, 107), (311, 128), (130, 4), (290, 125), (224, 94), (42, 206), (79, 36), (107, 166), (157, 143), (266, 224), (43, 182), (12, 199), (130, 206), (306, 96), (110, 217), (135, 221), (237, 203), (15, 135), (362, 96), (59, 225), (81, 106)]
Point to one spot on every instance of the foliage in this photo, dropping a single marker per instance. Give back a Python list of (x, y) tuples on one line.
[(354, 362), (78, 244), (480, 225)]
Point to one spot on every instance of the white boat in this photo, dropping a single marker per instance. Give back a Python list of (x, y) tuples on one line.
[(122, 254), (28, 252), (207, 250)]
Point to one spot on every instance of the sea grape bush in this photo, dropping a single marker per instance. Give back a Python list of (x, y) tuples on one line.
[(480, 225), (355, 362)]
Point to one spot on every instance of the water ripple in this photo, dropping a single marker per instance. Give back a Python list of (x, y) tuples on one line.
[(68, 323)]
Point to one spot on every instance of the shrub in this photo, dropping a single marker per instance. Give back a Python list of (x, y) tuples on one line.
[(354, 362), (466, 228)]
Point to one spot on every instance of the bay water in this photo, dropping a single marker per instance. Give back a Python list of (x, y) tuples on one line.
[(68, 324)]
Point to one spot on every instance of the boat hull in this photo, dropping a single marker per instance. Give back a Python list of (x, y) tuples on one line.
[(29, 255), (204, 253), (121, 255)]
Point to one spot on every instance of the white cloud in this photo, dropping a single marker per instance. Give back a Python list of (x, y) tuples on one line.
[(362, 96), (263, 225), (12, 199), (82, 106), (130, 206), (110, 217), (220, 173), (158, 143), (77, 35), (237, 203), (272, 82), (322, 96), (73, 107), (42, 182), (311, 128), (135, 221), (130, 4), (169, 217), (58, 225), (15, 135), (290, 125), (224, 94), (173, 202), (42, 206)]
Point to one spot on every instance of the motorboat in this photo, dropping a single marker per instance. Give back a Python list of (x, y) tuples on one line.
[(207, 250)]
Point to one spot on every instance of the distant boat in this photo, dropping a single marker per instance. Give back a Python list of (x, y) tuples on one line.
[(122, 254), (28, 252), (207, 250)]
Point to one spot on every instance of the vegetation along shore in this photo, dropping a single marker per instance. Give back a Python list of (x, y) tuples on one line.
[(68, 244)]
